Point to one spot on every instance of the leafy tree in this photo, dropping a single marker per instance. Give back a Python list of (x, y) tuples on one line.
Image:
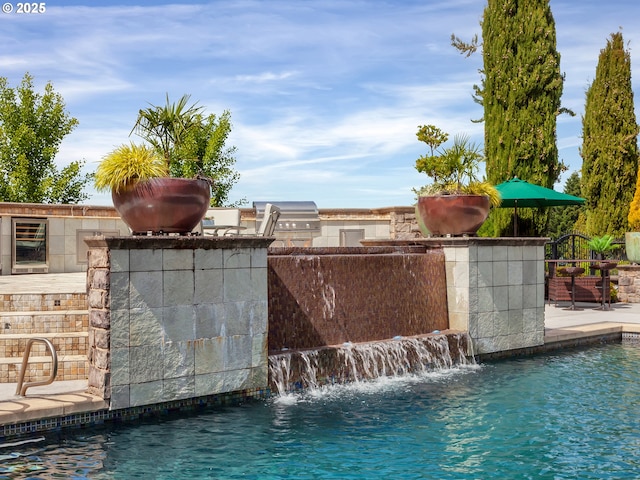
[(520, 92), (609, 142), (563, 219), (191, 144), (431, 163), (215, 160), (32, 126)]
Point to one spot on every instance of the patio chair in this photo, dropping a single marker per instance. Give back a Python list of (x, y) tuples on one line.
[(221, 221), (269, 221)]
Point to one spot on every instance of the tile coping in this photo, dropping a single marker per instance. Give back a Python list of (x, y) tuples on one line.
[(574, 332)]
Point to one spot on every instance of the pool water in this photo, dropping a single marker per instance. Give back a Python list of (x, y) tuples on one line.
[(569, 415)]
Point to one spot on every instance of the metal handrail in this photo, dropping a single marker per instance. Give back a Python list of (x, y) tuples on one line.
[(22, 388)]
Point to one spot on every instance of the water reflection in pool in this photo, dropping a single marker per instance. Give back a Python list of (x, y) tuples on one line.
[(571, 415)]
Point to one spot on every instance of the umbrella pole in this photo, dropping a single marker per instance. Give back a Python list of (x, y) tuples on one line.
[(515, 219)]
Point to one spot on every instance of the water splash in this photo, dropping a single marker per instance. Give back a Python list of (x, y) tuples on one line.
[(311, 369)]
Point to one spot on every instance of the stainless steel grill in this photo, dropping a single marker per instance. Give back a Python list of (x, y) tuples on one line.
[(299, 222)]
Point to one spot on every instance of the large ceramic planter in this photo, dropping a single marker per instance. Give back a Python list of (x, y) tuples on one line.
[(163, 205), (632, 245), (421, 225), (453, 214)]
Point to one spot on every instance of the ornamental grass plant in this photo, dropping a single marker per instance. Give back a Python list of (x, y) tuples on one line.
[(127, 165)]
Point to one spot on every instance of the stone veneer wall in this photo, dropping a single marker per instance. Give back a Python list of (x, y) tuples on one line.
[(403, 223), (495, 289), (629, 283), (173, 318), (587, 289)]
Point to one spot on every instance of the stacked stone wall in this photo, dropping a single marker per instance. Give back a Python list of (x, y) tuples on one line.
[(403, 224), (99, 322), (629, 283)]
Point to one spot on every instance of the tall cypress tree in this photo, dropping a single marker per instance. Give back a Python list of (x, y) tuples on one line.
[(520, 93), (521, 99), (563, 220), (609, 142)]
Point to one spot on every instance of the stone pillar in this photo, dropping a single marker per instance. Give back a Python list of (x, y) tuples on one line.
[(495, 291), (174, 318), (99, 322), (629, 283)]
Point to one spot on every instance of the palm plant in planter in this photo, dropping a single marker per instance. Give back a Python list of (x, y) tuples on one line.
[(456, 203), (167, 129), (602, 245), (145, 195)]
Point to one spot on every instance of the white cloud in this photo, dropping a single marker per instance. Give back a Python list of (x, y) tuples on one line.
[(325, 96), (264, 77)]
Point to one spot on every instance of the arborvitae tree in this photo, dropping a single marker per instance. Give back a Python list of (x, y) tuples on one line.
[(563, 220), (520, 92), (609, 143)]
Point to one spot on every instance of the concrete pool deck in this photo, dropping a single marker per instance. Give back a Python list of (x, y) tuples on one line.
[(589, 320), (63, 398)]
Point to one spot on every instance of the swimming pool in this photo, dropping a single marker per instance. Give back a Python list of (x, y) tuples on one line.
[(569, 415)]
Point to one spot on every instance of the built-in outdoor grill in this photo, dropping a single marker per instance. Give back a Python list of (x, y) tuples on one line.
[(298, 223)]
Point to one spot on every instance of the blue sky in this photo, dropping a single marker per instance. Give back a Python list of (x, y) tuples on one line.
[(325, 95)]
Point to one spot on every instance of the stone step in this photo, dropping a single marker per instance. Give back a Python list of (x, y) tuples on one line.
[(35, 359), (19, 313), (62, 318), (50, 336), (70, 367), (71, 348), (68, 343), (46, 322), (15, 302)]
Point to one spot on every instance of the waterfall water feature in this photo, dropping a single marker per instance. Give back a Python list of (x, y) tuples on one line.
[(329, 296), (307, 369), (331, 309)]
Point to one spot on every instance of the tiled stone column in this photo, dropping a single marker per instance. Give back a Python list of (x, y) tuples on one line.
[(176, 317), (495, 291)]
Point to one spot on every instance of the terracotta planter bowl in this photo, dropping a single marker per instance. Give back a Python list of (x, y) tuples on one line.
[(453, 214), (164, 205)]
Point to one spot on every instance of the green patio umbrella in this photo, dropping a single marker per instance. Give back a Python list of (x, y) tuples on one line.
[(519, 193)]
